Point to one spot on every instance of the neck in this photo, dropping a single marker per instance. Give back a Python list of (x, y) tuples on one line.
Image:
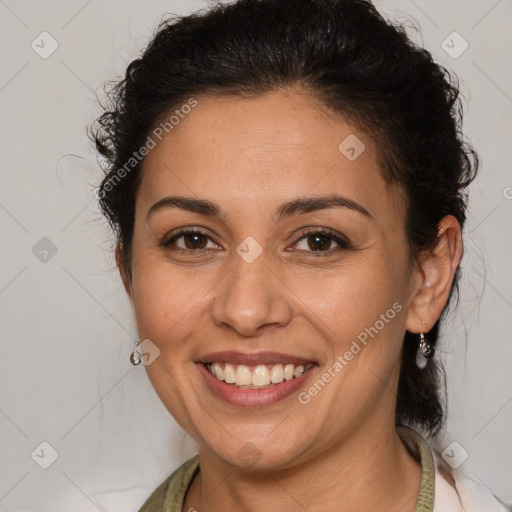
[(369, 471)]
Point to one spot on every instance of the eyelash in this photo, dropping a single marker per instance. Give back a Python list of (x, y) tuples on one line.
[(342, 242)]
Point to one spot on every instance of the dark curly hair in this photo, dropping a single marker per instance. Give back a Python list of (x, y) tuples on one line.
[(342, 52)]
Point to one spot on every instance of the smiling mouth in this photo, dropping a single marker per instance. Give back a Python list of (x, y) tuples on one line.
[(256, 377)]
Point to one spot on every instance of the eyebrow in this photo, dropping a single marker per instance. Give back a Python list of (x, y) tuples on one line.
[(299, 205)]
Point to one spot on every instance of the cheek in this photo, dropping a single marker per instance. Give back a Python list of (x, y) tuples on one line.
[(168, 303), (358, 310), (347, 301), (168, 299)]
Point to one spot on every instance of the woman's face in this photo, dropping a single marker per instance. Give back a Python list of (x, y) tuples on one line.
[(259, 288)]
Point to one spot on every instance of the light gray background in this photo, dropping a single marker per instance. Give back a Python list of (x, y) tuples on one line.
[(67, 327)]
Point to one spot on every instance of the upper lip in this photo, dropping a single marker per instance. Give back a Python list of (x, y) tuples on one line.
[(252, 359)]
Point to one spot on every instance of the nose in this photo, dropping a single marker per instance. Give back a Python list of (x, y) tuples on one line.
[(252, 298)]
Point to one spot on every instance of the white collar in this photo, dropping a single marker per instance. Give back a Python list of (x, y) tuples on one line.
[(474, 497)]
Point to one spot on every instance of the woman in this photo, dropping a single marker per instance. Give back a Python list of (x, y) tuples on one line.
[(287, 186)]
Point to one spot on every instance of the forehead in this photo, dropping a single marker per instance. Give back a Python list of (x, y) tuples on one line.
[(266, 148)]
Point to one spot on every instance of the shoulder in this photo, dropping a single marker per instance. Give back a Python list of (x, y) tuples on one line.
[(469, 496), (445, 490), (169, 495)]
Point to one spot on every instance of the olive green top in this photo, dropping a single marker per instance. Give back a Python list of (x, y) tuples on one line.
[(170, 494)]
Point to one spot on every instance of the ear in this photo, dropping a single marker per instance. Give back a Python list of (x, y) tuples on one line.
[(121, 265), (434, 277)]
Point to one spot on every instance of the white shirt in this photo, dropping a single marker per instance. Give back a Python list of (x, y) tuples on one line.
[(474, 497)]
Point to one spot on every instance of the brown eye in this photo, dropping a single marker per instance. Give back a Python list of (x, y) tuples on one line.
[(192, 240), (321, 241)]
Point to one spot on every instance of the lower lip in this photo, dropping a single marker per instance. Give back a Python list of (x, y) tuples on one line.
[(253, 397)]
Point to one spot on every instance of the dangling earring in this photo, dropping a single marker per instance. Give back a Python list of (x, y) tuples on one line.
[(425, 352), (136, 356)]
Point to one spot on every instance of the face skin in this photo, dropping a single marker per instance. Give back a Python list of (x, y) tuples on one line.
[(249, 157)]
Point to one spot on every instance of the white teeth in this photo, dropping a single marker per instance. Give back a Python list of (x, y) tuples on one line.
[(277, 374), (299, 370), (260, 376), (218, 371), (242, 375), (289, 371), (229, 374)]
